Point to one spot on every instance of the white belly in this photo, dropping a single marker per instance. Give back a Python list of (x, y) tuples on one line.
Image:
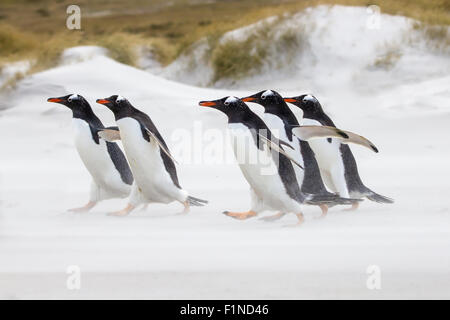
[(328, 155), (276, 126), (146, 164), (97, 160), (260, 170)]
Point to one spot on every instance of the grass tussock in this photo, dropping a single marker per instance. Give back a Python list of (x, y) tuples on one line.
[(266, 44), (388, 59), (237, 59), (14, 43), (120, 47), (36, 30), (438, 37)]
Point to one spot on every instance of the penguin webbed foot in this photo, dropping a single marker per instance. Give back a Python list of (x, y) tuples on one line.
[(301, 220), (122, 213), (240, 215), (324, 209), (185, 209), (354, 207), (272, 218), (88, 206)]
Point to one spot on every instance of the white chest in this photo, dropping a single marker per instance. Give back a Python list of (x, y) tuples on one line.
[(142, 155), (257, 165), (91, 153), (145, 162), (327, 154), (276, 126), (94, 156), (245, 150)]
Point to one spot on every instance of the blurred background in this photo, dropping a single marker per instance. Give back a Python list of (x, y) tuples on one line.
[(190, 41)]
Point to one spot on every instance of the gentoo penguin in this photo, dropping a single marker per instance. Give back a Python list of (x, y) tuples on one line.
[(265, 165), (336, 161), (281, 120), (152, 165), (111, 175)]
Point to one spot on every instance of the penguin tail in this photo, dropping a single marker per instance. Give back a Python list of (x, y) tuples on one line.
[(196, 202), (330, 199), (340, 200), (377, 197)]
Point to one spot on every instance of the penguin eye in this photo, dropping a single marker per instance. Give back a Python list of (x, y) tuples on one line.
[(226, 103), (117, 101), (70, 99), (263, 97)]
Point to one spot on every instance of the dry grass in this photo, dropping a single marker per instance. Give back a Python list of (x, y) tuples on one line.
[(14, 43), (437, 36), (235, 59), (36, 29), (388, 59)]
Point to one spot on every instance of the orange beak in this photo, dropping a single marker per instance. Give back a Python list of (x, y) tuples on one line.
[(207, 103), (248, 99), (289, 100), (54, 100), (102, 101)]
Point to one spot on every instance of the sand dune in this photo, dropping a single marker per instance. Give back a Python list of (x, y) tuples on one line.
[(155, 254)]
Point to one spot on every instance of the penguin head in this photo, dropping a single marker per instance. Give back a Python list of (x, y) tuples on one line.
[(115, 103), (228, 105), (266, 98), (307, 102), (71, 101), (75, 102)]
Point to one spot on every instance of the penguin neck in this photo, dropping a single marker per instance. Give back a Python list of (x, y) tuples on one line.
[(129, 111), (247, 118), (282, 111), (285, 114), (240, 116), (87, 115), (319, 116)]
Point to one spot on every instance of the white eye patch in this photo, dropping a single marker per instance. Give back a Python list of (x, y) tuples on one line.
[(267, 93), (309, 97), (120, 98), (230, 99), (73, 97)]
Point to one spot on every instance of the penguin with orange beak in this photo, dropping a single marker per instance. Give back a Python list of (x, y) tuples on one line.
[(262, 158), (336, 161), (156, 179), (283, 122), (107, 165)]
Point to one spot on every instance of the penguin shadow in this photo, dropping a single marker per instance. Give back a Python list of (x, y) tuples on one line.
[(311, 217), (268, 221), (148, 212)]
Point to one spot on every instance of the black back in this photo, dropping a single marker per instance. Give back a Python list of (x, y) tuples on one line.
[(239, 112), (274, 104), (124, 109), (81, 109), (312, 109)]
